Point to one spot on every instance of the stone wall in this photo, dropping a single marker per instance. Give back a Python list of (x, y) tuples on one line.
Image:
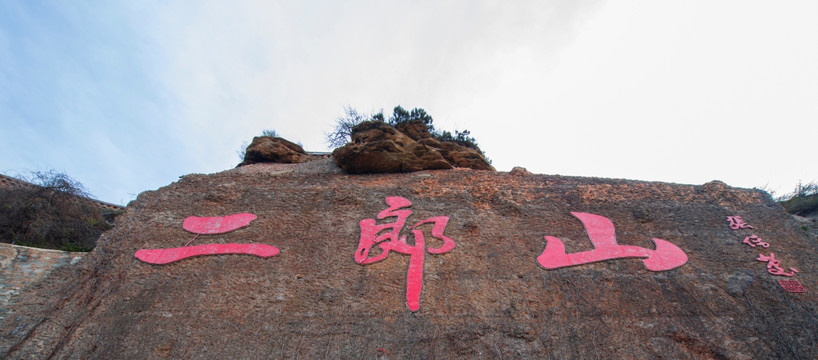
[(22, 265)]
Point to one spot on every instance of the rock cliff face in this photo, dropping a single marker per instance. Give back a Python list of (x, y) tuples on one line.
[(488, 297)]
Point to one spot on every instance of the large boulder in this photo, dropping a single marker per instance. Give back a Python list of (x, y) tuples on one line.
[(377, 147), (488, 297), (274, 150), (463, 156), (373, 131), (388, 157)]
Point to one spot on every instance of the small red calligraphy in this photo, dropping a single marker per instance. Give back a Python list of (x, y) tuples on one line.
[(600, 230), (754, 241), (736, 222), (387, 237), (793, 286), (774, 265)]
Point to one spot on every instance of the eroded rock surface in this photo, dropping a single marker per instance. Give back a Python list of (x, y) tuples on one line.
[(21, 266), (377, 147), (486, 298), (416, 130), (268, 149)]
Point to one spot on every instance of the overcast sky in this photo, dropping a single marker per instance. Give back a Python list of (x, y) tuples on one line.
[(126, 96)]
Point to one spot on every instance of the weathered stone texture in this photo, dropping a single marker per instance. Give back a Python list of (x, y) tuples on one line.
[(487, 298), (21, 266), (377, 147), (414, 129), (268, 149)]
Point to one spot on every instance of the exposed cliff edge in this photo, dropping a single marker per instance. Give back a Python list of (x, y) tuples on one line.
[(486, 297)]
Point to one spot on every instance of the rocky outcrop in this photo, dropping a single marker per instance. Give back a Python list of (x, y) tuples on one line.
[(519, 171), (377, 147), (268, 149), (416, 130), (380, 148), (488, 297), (463, 156)]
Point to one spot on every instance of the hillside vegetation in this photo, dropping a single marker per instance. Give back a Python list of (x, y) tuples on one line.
[(55, 212), (802, 201)]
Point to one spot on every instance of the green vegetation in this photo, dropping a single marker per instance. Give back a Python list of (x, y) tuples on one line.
[(802, 201), (400, 115), (54, 214), (344, 124), (460, 137)]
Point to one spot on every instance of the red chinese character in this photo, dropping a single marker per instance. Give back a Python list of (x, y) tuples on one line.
[(208, 225), (754, 240), (774, 265), (736, 222), (600, 230), (390, 240)]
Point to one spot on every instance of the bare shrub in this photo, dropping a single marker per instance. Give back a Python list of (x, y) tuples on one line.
[(344, 124), (54, 213), (803, 200)]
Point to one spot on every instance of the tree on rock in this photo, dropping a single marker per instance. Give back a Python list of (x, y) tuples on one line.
[(406, 142), (415, 123)]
